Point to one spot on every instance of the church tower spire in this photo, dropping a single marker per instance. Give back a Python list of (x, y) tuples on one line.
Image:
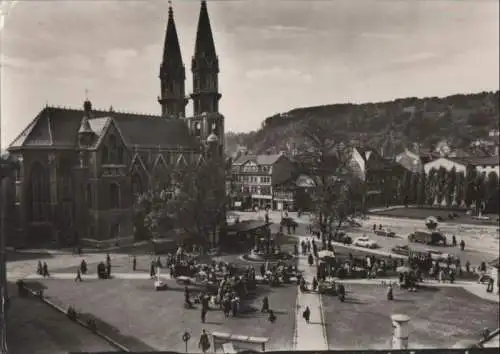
[(172, 73), (205, 67)]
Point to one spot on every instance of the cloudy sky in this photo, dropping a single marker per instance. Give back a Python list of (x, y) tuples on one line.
[(275, 55)]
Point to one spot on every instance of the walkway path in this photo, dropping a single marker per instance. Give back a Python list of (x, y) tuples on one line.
[(71, 276), (23, 268), (309, 336)]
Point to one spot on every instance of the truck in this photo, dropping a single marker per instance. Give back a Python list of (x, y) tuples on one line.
[(428, 237)]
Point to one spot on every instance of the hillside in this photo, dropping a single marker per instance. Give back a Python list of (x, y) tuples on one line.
[(392, 125)]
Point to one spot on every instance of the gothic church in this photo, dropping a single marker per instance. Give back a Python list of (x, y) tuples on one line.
[(80, 170)]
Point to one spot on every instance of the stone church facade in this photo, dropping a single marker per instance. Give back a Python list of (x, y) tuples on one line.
[(79, 171)]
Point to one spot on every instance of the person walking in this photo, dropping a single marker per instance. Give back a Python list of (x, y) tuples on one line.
[(307, 314), (78, 275), (204, 343), (45, 270), (134, 264)]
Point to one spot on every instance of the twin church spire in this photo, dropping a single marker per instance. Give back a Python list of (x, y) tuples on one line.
[(204, 68)]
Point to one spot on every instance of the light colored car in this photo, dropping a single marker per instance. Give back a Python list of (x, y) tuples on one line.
[(365, 242), (437, 255)]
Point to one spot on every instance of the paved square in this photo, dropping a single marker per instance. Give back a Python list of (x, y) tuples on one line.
[(158, 319), (439, 318)]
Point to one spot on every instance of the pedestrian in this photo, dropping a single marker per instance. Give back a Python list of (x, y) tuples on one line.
[(454, 241), (310, 259), (315, 284), (45, 270), (152, 270), (39, 269), (204, 343), (467, 266), (272, 316), (83, 266), (108, 270), (265, 304), (307, 314), (108, 258), (462, 245), (78, 275), (203, 314), (134, 264)]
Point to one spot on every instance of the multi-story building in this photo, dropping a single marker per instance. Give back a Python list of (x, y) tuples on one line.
[(254, 178), (80, 170)]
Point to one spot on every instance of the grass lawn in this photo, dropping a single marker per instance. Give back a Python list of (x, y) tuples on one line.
[(439, 318), (131, 308), (423, 213)]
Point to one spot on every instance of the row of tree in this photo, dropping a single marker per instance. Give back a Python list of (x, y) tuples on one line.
[(448, 188)]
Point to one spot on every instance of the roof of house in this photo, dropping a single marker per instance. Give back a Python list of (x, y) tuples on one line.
[(476, 160), (258, 159), (58, 127)]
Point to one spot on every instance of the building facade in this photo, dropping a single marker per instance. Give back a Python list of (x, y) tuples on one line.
[(480, 164), (81, 170), (254, 178)]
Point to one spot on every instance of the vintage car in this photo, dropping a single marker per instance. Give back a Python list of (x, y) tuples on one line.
[(342, 237), (402, 250), (385, 232), (365, 242)]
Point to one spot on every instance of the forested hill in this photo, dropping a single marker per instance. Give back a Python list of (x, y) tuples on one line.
[(394, 125)]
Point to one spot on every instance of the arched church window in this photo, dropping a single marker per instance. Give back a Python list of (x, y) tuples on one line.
[(136, 185), (114, 196), (88, 195), (65, 179), (105, 155), (113, 150), (197, 128), (119, 155), (39, 192)]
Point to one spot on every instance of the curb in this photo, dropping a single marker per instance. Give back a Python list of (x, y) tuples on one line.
[(111, 341), (323, 320)]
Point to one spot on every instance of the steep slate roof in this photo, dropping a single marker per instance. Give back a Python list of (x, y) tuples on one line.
[(58, 128), (476, 160), (258, 159)]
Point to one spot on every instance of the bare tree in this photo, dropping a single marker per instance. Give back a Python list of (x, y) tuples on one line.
[(326, 158)]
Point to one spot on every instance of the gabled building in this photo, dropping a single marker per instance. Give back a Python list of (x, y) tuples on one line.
[(80, 170), (254, 178)]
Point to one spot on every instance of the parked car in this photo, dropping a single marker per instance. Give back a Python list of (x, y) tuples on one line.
[(403, 250), (365, 242), (439, 256), (385, 232), (342, 237)]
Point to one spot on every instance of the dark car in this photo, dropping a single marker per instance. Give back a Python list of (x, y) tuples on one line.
[(342, 237), (401, 250)]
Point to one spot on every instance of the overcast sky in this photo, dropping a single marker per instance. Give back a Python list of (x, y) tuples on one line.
[(274, 55)]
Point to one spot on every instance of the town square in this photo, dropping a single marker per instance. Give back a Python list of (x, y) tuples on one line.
[(345, 226)]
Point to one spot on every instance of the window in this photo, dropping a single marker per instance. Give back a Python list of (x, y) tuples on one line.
[(39, 193), (105, 155), (88, 195), (197, 129), (136, 185), (114, 196)]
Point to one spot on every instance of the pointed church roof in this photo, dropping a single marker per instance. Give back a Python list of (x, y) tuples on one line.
[(171, 48), (204, 38)]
